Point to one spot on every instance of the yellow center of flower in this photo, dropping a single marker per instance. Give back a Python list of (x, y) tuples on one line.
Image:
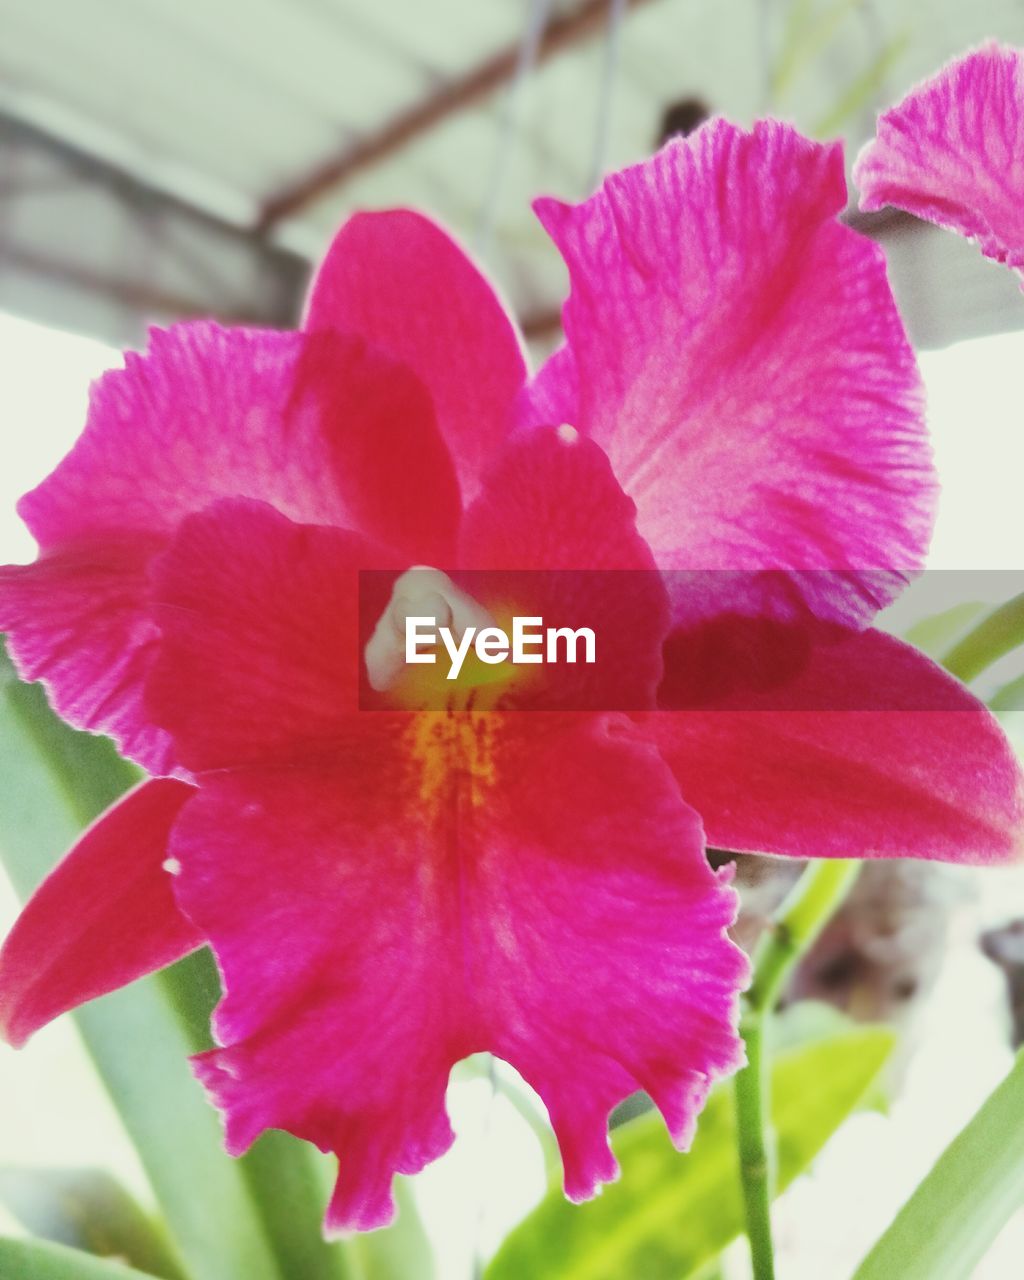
[(450, 740), (453, 757)]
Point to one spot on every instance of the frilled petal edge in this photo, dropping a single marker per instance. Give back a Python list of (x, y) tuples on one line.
[(466, 885), (952, 152), (739, 355)]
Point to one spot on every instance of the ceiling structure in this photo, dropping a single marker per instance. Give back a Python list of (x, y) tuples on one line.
[(161, 158)]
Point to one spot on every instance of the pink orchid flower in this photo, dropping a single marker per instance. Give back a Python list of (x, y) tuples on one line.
[(388, 891), (952, 152)]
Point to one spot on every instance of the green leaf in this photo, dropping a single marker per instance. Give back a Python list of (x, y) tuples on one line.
[(78, 773), (998, 632), (290, 1181), (961, 1206), (935, 634), (670, 1215), (1010, 697), (36, 1260), (88, 1209), (55, 780)]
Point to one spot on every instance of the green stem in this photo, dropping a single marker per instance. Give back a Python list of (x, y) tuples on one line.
[(798, 922), (995, 635), (796, 926), (757, 1171)]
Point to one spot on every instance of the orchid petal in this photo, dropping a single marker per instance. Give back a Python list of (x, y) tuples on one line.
[(262, 636), (553, 532), (413, 937), (869, 750), (739, 355), (952, 152), (102, 918), (401, 282), (76, 619), (309, 424)]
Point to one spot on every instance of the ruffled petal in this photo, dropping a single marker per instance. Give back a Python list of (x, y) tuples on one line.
[(401, 282), (865, 749), (952, 152), (263, 636), (739, 355), (77, 620), (102, 918), (553, 536), (552, 904), (313, 425)]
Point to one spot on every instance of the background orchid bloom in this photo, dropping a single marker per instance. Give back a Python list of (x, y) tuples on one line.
[(387, 891), (952, 152)]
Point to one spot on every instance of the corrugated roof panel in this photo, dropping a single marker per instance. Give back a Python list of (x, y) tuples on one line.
[(214, 120), (254, 92), (229, 103)]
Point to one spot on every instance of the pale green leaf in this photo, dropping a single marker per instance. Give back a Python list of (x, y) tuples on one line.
[(54, 781), (958, 1210), (935, 634), (87, 1209), (669, 1215), (41, 1260)]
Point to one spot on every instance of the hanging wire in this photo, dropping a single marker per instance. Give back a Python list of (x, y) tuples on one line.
[(616, 12), (765, 57), (536, 25)]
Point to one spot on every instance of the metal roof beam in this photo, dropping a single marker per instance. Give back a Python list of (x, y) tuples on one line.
[(561, 33), (147, 252)]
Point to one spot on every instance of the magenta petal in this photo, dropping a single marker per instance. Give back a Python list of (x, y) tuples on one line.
[(877, 753), (552, 397), (261, 643), (312, 424), (402, 283), (407, 942), (560, 535), (594, 846), (103, 917), (76, 619), (203, 413), (551, 503), (952, 152), (394, 476), (739, 355)]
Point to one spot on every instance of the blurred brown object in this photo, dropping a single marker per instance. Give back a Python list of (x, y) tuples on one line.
[(880, 956), (680, 119), (1005, 947)]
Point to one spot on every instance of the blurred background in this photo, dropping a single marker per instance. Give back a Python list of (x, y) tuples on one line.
[(164, 159)]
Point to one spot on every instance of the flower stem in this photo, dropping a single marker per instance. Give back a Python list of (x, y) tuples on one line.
[(755, 1152), (996, 634), (796, 925)]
